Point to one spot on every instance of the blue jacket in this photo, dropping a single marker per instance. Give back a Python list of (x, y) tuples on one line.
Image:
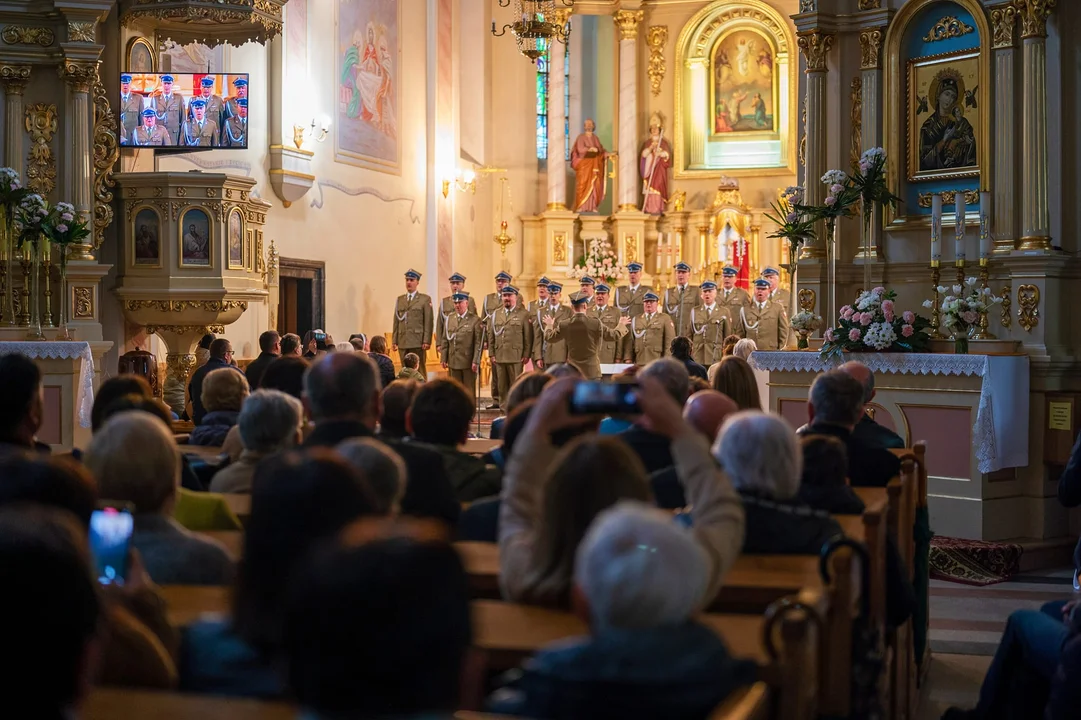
[(216, 661), (195, 387), (212, 430)]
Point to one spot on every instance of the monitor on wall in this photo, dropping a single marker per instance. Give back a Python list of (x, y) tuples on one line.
[(184, 111)]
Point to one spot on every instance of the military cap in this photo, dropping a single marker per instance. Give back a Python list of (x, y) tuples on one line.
[(555, 288), (459, 297), (242, 102), (682, 267), (544, 282), (586, 280), (240, 82), (602, 288), (167, 78), (761, 283), (579, 298), (207, 81), (125, 78), (504, 275), (197, 103), (650, 296), (634, 267), (149, 112), (729, 271), (457, 277), (510, 290), (769, 271), (413, 274), (708, 285)]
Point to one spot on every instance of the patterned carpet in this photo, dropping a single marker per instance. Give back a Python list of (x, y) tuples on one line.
[(973, 562)]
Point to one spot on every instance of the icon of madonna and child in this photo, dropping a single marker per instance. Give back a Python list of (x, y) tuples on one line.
[(947, 140)]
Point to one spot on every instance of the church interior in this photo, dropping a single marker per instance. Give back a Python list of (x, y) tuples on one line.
[(236, 167)]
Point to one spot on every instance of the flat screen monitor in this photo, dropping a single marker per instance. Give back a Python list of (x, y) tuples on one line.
[(184, 111)]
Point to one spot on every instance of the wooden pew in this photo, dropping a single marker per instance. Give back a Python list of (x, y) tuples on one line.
[(233, 540), (124, 704), (239, 503), (904, 682)]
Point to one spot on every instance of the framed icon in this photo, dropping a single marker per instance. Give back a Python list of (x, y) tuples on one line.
[(195, 238), (236, 240), (141, 57), (146, 238)]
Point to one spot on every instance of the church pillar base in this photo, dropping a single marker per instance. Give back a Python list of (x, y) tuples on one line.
[(629, 229)]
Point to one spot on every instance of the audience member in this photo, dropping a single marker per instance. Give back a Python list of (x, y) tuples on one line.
[(291, 345), (823, 485), (1069, 495), (46, 480), (440, 416), (563, 370), (680, 349), (652, 447), (744, 348), (23, 408), (134, 459), (360, 341), (867, 431), (550, 497), (341, 393), (112, 389), (377, 351), (380, 630), (700, 384), (298, 499), (221, 356), (527, 386), (343, 346), (729, 345), (834, 406), (202, 352), (646, 656), (223, 395), (286, 374), (270, 349), (382, 468), (1065, 695), (409, 371), (705, 411), (269, 421), (397, 397), (735, 378)]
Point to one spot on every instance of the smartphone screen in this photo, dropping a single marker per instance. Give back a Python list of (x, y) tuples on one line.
[(607, 398), (110, 540)]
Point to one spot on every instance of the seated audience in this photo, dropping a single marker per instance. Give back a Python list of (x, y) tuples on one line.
[(705, 411), (360, 341), (377, 351), (409, 371), (270, 349), (700, 384), (550, 496), (729, 345), (652, 447), (823, 484), (1069, 495), (286, 374), (397, 397), (645, 656), (681, 349), (298, 499), (202, 352), (134, 459), (383, 468), (834, 407), (563, 370), (867, 431), (269, 421), (341, 394), (744, 348), (1065, 695), (223, 394), (735, 378), (380, 630), (440, 417), (291, 345), (221, 356), (113, 389), (341, 347), (526, 387), (23, 407)]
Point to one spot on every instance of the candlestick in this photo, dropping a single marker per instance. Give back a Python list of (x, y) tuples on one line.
[(982, 333), (46, 271), (936, 303), (959, 225), (986, 242), (936, 228)]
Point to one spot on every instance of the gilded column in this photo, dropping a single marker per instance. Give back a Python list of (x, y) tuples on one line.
[(815, 46), (79, 76), (14, 79), (871, 120), (557, 140), (699, 111), (1035, 215), (1004, 221), (627, 21)]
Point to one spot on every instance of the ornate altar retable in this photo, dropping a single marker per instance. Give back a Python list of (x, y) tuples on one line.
[(971, 410), (67, 370)]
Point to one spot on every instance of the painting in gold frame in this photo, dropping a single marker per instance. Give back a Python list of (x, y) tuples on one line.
[(235, 232), (745, 88), (195, 237), (146, 238), (944, 107), (141, 57)]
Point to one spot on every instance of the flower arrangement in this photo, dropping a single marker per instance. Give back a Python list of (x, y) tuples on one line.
[(795, 222), (873, 323), (30, 217), (805, 322), (870, 183), (62, 227), (600, 262), (961, 308)]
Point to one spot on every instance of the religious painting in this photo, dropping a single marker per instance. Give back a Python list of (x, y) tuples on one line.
[(366, 129), (140, 56), (146, 238), (195, 238), (744, 89), (944, 106), (236, 240)]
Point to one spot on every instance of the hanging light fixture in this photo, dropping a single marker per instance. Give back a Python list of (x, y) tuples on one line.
[(535, 26)]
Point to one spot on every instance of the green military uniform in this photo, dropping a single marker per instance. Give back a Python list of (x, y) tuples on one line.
[(678, 303), (583, 334), (652, 337), (509, 338), (170, 111), (131, 112), (215, 109), (609, 349), (460, 345), (710, 326), (446, 309), (413, 327), (199, 134), (153, 136), (733, 299), (231, 107), (629, 302), (234, 132), (765, 323), (550, 352), (782, 296)]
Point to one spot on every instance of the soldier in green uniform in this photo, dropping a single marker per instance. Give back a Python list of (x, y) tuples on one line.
[(583, 334), (460, 340), (131, 107), (776, 293), (764, 320), (542, 298), (234, 132), (413, 322), (240, 92), (509, 339), (492, 302), (587, 287), (447, 308), (549, 352), (609, 316), (199, 131), (730, 296), (215, 106), (710, 325), (169, 107), (680, 299), (629, 302), (652, 332), (150, 133)]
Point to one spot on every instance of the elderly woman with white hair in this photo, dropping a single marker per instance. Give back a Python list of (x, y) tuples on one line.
[(134, 459), (223, 394), (639, 580), (269, 421), (382, 468)]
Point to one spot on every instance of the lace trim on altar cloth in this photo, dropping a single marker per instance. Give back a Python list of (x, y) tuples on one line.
[(63, 351)]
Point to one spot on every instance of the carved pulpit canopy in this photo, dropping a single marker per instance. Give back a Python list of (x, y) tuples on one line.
[(209, 22)]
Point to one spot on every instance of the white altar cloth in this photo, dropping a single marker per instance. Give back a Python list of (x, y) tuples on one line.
[(1001, 430), (63, 351)]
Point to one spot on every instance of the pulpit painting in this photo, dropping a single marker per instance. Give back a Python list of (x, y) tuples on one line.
[(195, 245), (140, 56), (146, 238), (744, 87), (945, 100), (366, 128), (236, 240)]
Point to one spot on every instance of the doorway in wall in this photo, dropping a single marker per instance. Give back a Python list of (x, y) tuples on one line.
[(301, 295)]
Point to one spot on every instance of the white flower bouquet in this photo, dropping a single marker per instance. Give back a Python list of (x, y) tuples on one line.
[(962, 306), (874, 322), (600, 263)]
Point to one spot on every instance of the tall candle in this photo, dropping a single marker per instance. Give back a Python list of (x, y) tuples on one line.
[(959, 225), (986, 243), (936, 227)]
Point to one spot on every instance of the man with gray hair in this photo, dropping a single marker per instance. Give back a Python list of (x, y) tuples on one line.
[(705, 411), (639, 580), (834, 407), (381, 467), (867, 431), (269, 421), (651, 447)]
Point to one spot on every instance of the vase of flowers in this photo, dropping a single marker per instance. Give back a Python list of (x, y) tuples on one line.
[(63, 229), (795, 224), (804, 323), (30, 226), (870, 184), (874, 323), (961, 310), (12, 193), (600, 262)]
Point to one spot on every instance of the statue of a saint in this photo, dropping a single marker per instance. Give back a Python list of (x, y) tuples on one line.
[(656, 158), (947, 139), (588, 158)]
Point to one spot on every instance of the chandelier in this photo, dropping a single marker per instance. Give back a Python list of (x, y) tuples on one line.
[(538, 24)]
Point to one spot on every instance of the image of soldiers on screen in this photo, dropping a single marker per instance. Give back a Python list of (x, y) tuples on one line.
[(131, 108), (234, 134), (169, 106), (150, 133), (200, 130)]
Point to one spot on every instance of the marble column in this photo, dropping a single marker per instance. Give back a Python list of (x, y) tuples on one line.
[(815, 46), (14, 79), (627, 21), (79, 76), (871, 123), (557, 140), (1035, 214), (1004, 189)]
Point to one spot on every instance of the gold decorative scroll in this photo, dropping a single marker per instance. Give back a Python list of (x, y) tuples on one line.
[(559, 248), (1028, 307), (656, 37), (807, 299), (870, 4), (263, 13), (815, 46), (82, 302), (870, 47), (946, 28), (628, 20), (630, 248), (857, 122), (106, 153), (41, 163), (803, 134), (1004, 315), (215, 306), (79, 75), (949, 197), (1003, 22), (25, 35), (182, 329), (82, 32), (1034, 14)]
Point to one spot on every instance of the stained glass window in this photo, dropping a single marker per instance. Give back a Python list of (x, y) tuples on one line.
[(543, 70)]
